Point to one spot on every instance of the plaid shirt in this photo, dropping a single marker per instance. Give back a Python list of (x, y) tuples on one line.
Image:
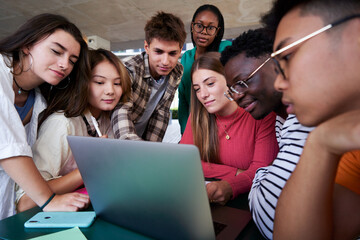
[(126, 114)]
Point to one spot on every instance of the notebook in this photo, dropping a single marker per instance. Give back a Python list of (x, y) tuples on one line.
[(156, 189)]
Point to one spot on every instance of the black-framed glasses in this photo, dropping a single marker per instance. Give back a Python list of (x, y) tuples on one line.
[(210, 30), (240, 86), (307, 37)]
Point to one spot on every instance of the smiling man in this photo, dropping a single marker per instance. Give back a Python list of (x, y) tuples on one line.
[(155, 75), (250, 75)]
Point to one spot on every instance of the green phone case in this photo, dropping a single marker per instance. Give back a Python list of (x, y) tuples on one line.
[(61, 220)]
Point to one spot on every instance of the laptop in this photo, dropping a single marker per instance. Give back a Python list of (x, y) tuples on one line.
[(156, 189)]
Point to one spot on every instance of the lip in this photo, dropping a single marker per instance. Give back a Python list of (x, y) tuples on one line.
[(250, 107), (202, 40), (108, 101), (58, 73), (289, 107), (247, 103), (208, 102), (164, 69)]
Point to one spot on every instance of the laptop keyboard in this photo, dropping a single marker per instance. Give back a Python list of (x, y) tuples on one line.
[(218, 227)]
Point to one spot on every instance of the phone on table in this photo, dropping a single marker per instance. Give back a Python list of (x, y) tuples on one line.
[(61, 220)]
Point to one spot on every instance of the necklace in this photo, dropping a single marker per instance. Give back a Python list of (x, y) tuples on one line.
[(232, 122), (20, 89)]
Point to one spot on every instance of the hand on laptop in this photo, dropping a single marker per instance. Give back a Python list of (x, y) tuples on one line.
[(219, 192), (68, 202)]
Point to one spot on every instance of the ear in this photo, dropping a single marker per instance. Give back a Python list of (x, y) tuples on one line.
[(147, 47), (26, 50)]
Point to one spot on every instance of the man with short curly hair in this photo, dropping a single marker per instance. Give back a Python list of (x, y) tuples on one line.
[(257, 95), (155, 75)]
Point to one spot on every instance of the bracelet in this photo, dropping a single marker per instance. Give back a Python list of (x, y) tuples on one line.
[(47, 202)]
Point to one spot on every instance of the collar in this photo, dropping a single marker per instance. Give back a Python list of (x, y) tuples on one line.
[(146, 65)]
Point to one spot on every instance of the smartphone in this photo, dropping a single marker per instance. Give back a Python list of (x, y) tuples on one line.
[(61, 220)]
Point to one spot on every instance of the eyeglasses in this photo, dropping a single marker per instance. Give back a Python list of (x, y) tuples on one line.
[(210, 30), (240, 86), (301, 40)]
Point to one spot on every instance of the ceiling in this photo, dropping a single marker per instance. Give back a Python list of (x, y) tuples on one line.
[(122, 21)]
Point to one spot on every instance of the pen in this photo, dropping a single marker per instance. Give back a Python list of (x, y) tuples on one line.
[(96, 125)]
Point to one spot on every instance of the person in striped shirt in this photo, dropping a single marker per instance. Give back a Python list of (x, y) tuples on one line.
[(250, 76), (317, 50)]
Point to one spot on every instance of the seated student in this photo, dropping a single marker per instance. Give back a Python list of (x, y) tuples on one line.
[(41, 53), (319, 78), (108, 84), (207, 30), (249, 51), (249, 56), (232, 144), (155, 75)]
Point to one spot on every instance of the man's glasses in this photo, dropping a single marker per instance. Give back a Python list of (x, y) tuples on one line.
[(210, 30), (240, 86), (280, 69)]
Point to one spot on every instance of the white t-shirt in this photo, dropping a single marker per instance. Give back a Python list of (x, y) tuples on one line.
[(52, 153), (15, 139)]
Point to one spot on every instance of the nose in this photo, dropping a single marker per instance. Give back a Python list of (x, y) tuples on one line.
[(165, 59), (280, 83), (63, 64), (109, 89), (204, 31), (203, 93)]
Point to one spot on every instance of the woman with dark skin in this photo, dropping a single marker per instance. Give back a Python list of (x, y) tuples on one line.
[(207, 31)]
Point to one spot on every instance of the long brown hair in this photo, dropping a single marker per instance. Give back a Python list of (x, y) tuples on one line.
[(203, 123), (57, 97)]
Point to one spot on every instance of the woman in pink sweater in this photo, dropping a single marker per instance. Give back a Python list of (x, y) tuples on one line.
[(232, 144)]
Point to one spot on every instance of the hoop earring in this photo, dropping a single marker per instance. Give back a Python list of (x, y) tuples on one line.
[(31, 63), (61, 88)]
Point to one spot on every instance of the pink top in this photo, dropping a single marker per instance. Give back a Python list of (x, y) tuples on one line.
[(252, 145)]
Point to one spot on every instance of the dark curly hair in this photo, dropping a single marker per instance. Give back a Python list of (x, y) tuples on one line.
[(254, 43)]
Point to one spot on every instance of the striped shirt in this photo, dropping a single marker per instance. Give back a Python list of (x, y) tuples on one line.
[(127, 114), (269, 181)]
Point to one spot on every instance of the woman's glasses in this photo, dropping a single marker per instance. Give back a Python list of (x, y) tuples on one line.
[(210, 30)]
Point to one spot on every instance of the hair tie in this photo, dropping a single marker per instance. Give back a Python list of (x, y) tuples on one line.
[(47, 202)]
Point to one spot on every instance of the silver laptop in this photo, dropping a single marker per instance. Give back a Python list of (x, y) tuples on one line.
[(156, 189)]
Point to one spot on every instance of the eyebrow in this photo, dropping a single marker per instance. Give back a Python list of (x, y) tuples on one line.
[(241, 76), (163, 51), (201, 22), (281, 44), (206, 79), (100, 76), (65, 49)]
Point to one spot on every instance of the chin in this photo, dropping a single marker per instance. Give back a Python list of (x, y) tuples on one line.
[(258, 117), (307, 121), (163, 73)]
